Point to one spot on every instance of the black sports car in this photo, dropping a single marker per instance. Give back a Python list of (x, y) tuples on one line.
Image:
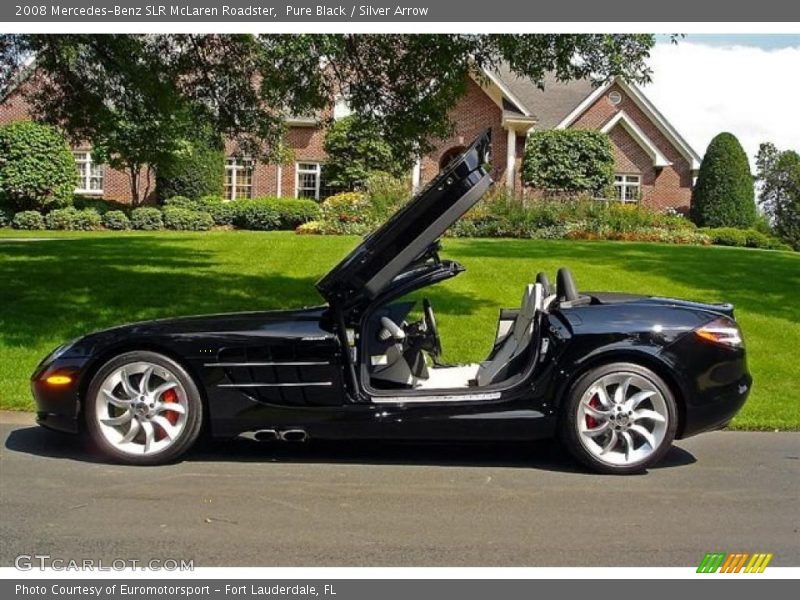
[(617, 377)]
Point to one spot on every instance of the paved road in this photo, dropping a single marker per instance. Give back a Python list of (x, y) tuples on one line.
[(246, 504)]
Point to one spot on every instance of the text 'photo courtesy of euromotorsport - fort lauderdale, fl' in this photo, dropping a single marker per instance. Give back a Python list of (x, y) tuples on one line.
[(223, 10), (170, 590)]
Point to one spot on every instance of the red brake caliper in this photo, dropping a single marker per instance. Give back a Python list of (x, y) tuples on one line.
[(172, 416), (591, 422)]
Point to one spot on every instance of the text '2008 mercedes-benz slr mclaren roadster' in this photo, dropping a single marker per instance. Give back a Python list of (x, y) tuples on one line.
[(616, 377)]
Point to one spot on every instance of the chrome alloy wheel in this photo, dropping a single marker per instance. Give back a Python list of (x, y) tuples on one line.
[(622, 418), (141, 408)]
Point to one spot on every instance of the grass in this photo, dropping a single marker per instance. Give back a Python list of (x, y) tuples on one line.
[(57, 289)]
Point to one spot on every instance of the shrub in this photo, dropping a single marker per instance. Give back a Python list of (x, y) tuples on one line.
[(387, 194), (147, 218), (293, 213), (72, 219), (568, 161), (743, 238), (28, 219), (355, 150), (5, 217), (260, 215), (223, 213), (184, 219), (101, 205), (116, 220), (724, 195), (37, 169), (181, 202), (310, 228), (196, 172), (347, 213)]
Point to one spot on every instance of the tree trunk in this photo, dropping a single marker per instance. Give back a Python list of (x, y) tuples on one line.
[(134, 176)]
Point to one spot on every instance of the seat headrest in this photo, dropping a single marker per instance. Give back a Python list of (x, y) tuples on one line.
[(565, 284), (541, 277)]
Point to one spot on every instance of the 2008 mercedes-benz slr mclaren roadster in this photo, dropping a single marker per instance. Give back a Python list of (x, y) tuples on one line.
[(617, 377)]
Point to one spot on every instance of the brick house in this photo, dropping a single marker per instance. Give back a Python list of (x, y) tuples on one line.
[(654, 165)]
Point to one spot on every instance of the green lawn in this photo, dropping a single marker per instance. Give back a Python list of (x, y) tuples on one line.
[(56, 289)]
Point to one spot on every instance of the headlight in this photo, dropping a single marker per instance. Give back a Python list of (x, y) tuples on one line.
[(722, 331)]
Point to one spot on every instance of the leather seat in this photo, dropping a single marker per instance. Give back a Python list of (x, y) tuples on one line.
[(519, 339)]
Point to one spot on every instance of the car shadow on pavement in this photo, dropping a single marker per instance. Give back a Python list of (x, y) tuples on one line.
[(545, 455)]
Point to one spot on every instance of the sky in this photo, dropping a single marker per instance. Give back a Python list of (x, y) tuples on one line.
[(748, 85)]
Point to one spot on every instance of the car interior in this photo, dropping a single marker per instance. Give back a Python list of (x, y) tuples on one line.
[(405, 355)]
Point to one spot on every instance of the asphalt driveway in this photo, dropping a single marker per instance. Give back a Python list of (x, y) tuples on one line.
[(246, 504)]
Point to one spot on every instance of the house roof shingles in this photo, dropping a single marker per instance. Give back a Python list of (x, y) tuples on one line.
[(549, 106)]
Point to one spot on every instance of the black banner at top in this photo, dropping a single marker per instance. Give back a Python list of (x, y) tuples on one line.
[(402, 11)]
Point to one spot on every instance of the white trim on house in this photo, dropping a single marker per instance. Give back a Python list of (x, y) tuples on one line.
[(639, 136), (317, 171), (647, 107), (416, 175), (236, 167), (585, 104), (643, 102), (504, 91), (301, 121), (279, 181), (89, 172), (511, 158)]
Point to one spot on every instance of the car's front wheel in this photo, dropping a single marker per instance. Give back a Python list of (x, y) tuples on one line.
[(143, 408), (619, 418)]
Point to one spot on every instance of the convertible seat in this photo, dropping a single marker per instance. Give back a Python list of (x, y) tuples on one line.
[(519, 339)]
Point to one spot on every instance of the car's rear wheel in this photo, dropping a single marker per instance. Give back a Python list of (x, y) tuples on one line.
[(143, 408), (619, 418)]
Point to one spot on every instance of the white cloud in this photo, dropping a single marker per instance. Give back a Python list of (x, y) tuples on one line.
[(748, 91)]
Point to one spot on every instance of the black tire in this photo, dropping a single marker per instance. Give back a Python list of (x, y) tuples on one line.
[(568, 428), (193, 418)]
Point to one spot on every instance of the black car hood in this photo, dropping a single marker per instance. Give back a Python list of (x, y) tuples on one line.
[(412, 233)]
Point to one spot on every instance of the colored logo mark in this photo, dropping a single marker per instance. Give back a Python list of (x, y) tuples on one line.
[(736, 562)]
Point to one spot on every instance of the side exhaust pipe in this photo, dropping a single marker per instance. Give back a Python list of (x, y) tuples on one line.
[(293, 435), (261, 435)]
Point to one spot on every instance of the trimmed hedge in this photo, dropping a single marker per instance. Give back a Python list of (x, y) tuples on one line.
[(28, 219), (147, 218), (223, 213), (292, 212), (724, 194), (568, 161), (184, 219), (181, 202), (744, 238), (116, 220), (37, 169), (72, 219), (260, 215), (198, 172)]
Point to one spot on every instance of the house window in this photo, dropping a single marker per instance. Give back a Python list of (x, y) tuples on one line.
[(627, 187), (90, 173), (238, 178), (309, 175)]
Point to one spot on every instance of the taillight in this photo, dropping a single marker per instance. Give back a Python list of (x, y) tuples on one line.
[(721, 331)]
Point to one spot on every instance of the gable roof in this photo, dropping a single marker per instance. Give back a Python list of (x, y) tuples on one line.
[(639, 136), (548, 106), (647, 107)]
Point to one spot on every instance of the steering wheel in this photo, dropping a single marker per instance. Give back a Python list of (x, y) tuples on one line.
[(433, 333)]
